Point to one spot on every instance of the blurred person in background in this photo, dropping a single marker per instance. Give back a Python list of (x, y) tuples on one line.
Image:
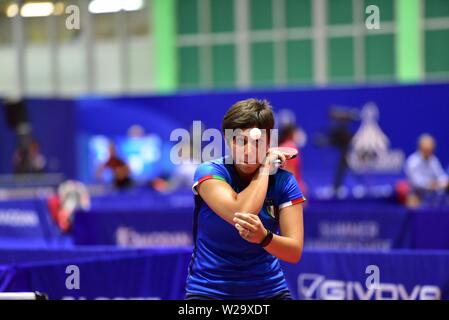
[(120, 170), (427, 179), (183, 173), (29, 159), (70, 196), (339, 136)]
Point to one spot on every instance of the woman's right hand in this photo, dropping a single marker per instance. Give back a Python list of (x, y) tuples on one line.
[(273, 160)]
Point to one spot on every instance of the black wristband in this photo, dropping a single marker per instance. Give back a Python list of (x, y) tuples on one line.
[(267, 240)]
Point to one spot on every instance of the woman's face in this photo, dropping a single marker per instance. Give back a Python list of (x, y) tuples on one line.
[(248, 153)]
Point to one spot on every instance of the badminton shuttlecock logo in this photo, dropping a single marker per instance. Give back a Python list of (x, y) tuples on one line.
[(370, 147)]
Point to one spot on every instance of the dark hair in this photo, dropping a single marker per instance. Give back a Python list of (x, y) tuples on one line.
[(250, 113)]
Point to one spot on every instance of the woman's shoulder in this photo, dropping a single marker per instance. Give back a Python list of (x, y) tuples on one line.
[(212, 166), (219, 162), (283, 174)]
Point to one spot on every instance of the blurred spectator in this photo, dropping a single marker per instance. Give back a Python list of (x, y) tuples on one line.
[(426, 176), (292, 136), (28, 158), (182, 175), (71, 195), (339, 136), (136, 131), (121, 172)]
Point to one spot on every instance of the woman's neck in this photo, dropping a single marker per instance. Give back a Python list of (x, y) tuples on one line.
[(244, 176)]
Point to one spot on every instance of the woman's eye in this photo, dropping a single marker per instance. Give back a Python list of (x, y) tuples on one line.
[(240, 141)]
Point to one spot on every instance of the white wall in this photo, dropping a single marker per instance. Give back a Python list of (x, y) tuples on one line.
[(72, 68)]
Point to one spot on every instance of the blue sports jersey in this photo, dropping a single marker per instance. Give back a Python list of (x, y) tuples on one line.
[(224, 265)]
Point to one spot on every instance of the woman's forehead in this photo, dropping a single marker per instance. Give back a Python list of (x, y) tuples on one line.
[(246, 132)]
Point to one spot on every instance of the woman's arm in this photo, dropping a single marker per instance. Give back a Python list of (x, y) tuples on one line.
[(288, 245), (224, 201)]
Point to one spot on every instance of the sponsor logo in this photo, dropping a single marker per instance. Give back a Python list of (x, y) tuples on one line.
[(349, 235), (313, 286), (370, 147), (18, 218), (127, 237)]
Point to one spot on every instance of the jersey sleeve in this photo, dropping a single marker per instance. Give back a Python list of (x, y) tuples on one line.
[(290, 193), (208, 171)]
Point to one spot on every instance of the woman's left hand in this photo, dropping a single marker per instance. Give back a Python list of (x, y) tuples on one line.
[(250, 227)]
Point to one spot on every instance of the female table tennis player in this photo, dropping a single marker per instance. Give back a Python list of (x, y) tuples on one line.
[(240, 207)]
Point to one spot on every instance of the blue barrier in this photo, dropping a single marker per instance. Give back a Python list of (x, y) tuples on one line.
[(430, 229), (161, 273), (136, 218), (22, 220), (358, 226), (28, 223), (345, 274), (134, 228), (103, 273), (327, 224), (139, 219)]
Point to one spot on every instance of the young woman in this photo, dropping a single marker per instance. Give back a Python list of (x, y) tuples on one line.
[(240, 207)]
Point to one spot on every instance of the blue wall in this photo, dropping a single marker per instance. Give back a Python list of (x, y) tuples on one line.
[(405, 113), (54, 127)]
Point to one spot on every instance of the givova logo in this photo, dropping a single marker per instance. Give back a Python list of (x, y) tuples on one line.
[(313, 286)]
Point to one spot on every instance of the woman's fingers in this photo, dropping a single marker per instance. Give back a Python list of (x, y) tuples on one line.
[(240, 229), (252, 218), (244, 233), (278, 155), (282, 157), (245, 216), (245, 224), (249, 226)]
